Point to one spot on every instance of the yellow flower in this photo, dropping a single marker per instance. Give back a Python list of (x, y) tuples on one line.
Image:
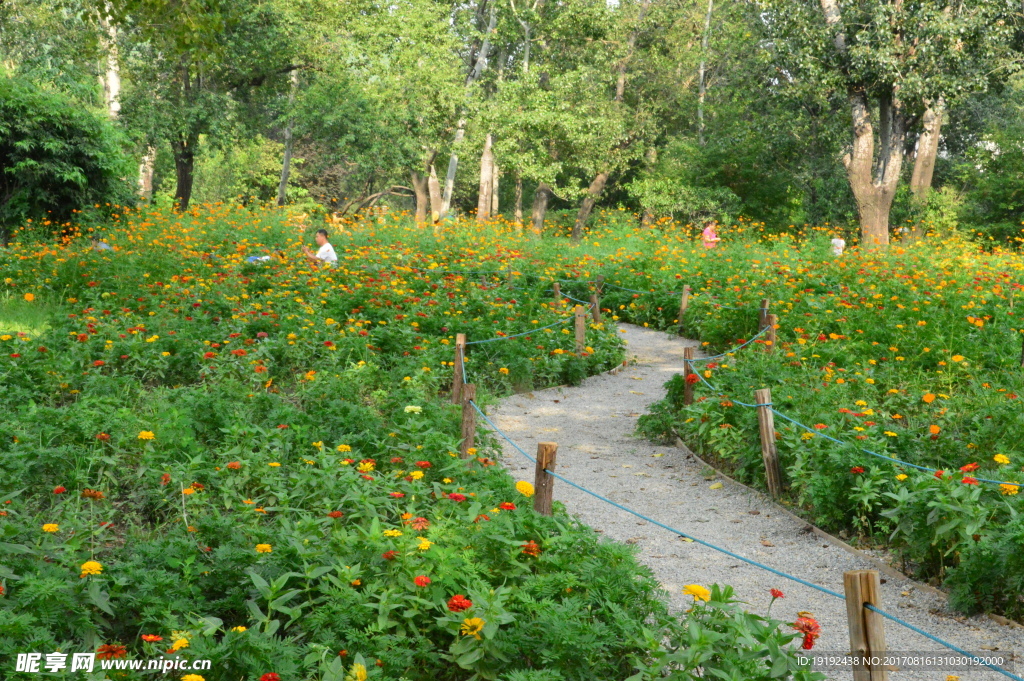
[(503, 370), (524, 488), (91, 567), (416, 475), (263, 548), (957, 358), (412, 409), (29, 297), (424, 543), (238, 629), (1001, 459), (472, 626), (890, 433), (274, 464), (807, 436), (192, 677), (146, 435), (1009, 490), (50, 527), (357, 673), (187, 491), (392, 533), (344, 448), (179, 644), (698, 592), (447, 480), (167, 354), (365, 467), (901, 477)]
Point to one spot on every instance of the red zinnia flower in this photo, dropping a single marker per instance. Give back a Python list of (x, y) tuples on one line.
[(482, 516), (396, 459), (507, 506), (165, 478), (810, 629), (397, 495), (423, 464), (458, 603), (234, 465), (970, 468), (969, 480), (335, 514), (531, 548), (419, 523), (209, 355), (692, 378), (389, 555), (776, 593), (422, 580), (282, 426), (109, 651), (102, 437), (60, 489), (820, 426), (98, 363), (857, 469), (939, 474), (262, 334), (455, 496), (152, 638), (270, 676)]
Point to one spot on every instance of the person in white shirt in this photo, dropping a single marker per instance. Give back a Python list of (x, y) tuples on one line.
[(838, 244), (325, 255)]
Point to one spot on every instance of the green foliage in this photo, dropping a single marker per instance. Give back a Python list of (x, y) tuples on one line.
[(56, 157)]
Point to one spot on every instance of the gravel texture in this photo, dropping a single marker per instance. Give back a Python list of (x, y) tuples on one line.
[(594, 424)]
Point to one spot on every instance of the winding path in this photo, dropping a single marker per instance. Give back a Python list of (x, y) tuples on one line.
[(593, 425)]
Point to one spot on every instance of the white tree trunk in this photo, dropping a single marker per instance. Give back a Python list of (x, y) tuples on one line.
[(483, 206), (702, 84), (112, 78), (495, 207), (927, 151), (286, 163), (146, 174), (434, 189)]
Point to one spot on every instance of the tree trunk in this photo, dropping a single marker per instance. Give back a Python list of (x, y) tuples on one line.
[(647, 214), (874, 191), (146, 174), (702, 72), (593, 192), (540, 207), (286, 164), (434, 188), (518, 216), (419, 188), (927, 150), (483, 206), (112, 79), (184, 166)]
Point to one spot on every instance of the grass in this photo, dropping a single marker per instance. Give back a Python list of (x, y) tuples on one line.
[(20, 316)]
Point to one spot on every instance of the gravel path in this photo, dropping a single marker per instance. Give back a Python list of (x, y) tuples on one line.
[(593, 425)]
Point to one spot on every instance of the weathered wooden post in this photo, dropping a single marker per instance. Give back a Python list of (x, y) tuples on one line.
[(581, 329), (468, 419), (687, 371), (684, 302), (544, 482), (458, 379), (867, 633), (595, 310), (509, 276), (558, 294), (766, 421), (599, 282), (769, 341), (762, 315)]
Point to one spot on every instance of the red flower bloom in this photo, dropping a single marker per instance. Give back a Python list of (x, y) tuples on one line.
[(60, 489), (456, 497), (419, 523), (109, 651), (82, 337), (969, 480), (152, 638), (282, 426), (209, 355), (422, 580), (423, 464), (939, 474), (389, 555), (531, 548), (692, 378), (776, 593), (41, 349), (270, 676), (15, 355), (239, 352), (396, 459), (165, 478), (820, 426), (970, 468), (810, 628), (857, 469), (397, 495), (102, 437), (98, 363), (262, 334), (366, 477), (482, 516), (234, 465), (335, 514), (458, 603), (507, 506), (821, 337)]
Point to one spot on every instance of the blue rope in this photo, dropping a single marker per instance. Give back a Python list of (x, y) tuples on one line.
[(729, 352), (938, 640), (525, 333), (633, 290), (655, 522)]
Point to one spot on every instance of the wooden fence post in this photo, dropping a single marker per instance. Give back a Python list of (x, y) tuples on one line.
[(684, 302), (766, 421), (543, 482), (599, 282), (581, 329), (468, 419), (687, 370), (762, 315), (867, 633), (458, 379), (558, 294), (509, 278), (769, 341), (595, 310)]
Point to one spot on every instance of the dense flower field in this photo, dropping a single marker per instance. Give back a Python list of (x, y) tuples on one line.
[(255, 462)]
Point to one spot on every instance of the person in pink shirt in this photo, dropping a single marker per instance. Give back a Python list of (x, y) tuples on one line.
[(708, 235)]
